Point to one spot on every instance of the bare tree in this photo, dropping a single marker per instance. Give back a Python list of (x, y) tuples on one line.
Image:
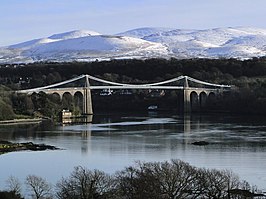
[(84, 184), (177, 179), (39, 187), (137, 182), (221, 184), (14, 185), (174, 179)]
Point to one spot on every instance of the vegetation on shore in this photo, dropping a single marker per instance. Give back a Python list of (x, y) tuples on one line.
[(249, 76), (158, 180)]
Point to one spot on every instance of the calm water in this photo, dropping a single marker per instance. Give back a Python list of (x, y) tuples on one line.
[(112, 142)]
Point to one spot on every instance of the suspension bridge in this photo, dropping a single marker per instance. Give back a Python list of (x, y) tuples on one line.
[(191, 94)]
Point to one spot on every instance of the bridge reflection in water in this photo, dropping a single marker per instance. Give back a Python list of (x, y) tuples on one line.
[(195, 93), (133, 128), (85, 119)]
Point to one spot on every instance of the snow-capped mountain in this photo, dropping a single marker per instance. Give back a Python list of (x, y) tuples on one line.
[(81, 46), (144, 32), (214, 43), (140, 43)]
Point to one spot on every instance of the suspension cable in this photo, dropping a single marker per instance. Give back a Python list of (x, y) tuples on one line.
[(206, 83)]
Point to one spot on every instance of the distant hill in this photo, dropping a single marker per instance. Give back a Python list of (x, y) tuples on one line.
[(142, 43)]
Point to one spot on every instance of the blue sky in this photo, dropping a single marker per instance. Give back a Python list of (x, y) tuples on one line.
[(22, 20)]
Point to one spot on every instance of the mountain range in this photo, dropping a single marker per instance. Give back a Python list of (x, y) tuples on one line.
[(142, 43)]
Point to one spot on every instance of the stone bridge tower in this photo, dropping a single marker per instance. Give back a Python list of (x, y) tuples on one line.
[(87, 101)]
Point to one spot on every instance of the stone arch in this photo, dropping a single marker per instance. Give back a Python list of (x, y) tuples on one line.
[(56, 97), (211, 99), (34, 97), (38, 99), (33, 94), (194, 100), (203, 99), (78, 102), (67, 101), (41, 93)]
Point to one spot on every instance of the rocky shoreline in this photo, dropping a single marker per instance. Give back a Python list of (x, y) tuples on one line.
[(6, 146)]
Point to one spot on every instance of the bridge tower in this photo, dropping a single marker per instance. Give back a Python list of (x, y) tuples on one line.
[(87, 101), (186, 95)]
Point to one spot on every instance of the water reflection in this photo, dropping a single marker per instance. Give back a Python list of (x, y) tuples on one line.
[(86, 138), (187, 124), (167, 132), (76, 120), (227, 130), (111, 142)]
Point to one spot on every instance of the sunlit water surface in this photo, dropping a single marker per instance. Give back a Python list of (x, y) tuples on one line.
[(112, 142)]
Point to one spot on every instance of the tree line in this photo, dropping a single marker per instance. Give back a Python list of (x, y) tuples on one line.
[(215, 70), (157, 180)]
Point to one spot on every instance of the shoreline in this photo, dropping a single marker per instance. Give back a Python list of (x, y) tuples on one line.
[(21, 121)]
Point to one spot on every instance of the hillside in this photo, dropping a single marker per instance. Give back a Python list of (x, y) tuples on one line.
[(142, 43)]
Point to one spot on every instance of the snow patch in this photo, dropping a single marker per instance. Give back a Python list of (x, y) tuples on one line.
[(74, 34)]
